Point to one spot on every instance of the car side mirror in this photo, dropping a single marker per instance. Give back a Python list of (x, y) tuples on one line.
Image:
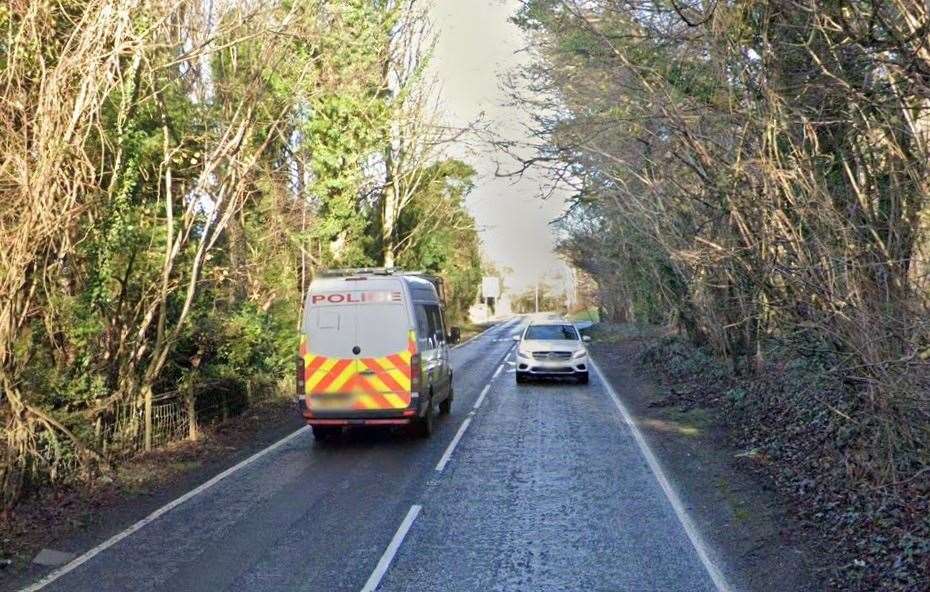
[(455, 334), (516, 338), (586, 338)]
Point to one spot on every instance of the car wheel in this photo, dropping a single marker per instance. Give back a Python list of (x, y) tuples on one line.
[(423, 426), (326, 433), (583, 378), (445, 408), (521, 377)]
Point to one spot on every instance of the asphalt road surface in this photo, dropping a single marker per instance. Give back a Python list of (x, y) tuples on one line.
[(532, 488)]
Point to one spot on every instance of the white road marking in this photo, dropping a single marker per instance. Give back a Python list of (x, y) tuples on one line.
[(375, 579), (697, 541), (482, 333), (386, 559), (157, 514), (455, 441), (447, 455), (493, 328), (480, 400)]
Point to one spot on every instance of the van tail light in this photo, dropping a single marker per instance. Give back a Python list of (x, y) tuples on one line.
[(415, 373), (301, 371)]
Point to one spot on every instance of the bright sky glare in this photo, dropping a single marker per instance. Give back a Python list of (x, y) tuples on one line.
[(476, 45)]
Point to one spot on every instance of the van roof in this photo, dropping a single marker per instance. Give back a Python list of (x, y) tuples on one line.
[(420, 279), (420, 288), (369, 271)]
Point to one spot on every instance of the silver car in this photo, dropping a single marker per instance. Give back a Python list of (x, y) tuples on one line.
[(550, 349)]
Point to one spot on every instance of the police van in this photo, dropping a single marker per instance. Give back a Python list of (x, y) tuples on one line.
[(374, 351)]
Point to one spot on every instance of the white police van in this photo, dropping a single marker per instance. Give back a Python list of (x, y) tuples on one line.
[(374, 351)]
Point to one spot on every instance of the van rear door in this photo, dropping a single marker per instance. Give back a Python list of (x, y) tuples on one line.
[(387, 345), (329, 364), (357, 348)]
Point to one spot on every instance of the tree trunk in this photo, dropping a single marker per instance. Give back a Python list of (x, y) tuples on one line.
[(190, 402), (235, 233), (147, 429), (389, 212)]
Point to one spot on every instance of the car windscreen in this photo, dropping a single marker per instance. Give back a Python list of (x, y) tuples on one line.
[(551, 332)]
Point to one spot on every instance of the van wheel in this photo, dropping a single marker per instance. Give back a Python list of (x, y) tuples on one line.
[(423, 426), (445, 408), (326, 433)]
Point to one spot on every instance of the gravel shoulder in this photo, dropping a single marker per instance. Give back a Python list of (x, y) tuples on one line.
[(766, 549)]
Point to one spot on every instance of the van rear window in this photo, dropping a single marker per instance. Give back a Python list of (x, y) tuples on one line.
[(331, 330), (383, 329), (328, 319)]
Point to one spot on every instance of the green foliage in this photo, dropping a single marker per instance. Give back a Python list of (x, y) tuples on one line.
[(348, 121), (267, 145), (438, 234), (242, 344)]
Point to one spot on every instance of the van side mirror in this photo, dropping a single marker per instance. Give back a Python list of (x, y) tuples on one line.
[(455, 334), (586, 338)]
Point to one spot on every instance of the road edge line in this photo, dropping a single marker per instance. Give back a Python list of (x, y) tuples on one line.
[(374, 580), (497, 325), (88, 555), (697, 541), (479, 334)]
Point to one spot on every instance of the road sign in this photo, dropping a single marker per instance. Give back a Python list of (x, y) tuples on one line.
[(491, 287)]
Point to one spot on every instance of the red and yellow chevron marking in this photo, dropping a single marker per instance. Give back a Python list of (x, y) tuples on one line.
[(374, 383)]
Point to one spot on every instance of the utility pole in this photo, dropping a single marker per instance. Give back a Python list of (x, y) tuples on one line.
[(537, 296)]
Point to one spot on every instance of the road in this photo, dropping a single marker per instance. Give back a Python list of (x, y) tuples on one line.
[(544, 488)]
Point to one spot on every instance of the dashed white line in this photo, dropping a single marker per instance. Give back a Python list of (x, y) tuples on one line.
[(77, 562), (481, 397), (697, 541), (455, 441), (385, 562), (376, 576), (447, 455)]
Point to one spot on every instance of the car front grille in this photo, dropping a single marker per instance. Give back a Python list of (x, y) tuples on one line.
[(552, 355), (548, 370)]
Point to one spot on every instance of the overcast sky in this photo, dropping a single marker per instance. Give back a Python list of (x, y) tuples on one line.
[(476, 45)]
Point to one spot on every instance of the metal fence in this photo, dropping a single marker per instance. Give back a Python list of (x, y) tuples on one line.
[(179, 416)]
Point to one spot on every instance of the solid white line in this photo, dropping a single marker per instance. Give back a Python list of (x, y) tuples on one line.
[(498, 371), (480, 400), (697, 541), (75, 563), (455, 441), (486, 331), (375, 579)]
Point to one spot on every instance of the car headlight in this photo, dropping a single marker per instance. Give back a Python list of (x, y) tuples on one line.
[(579, 354), (523, 354)]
